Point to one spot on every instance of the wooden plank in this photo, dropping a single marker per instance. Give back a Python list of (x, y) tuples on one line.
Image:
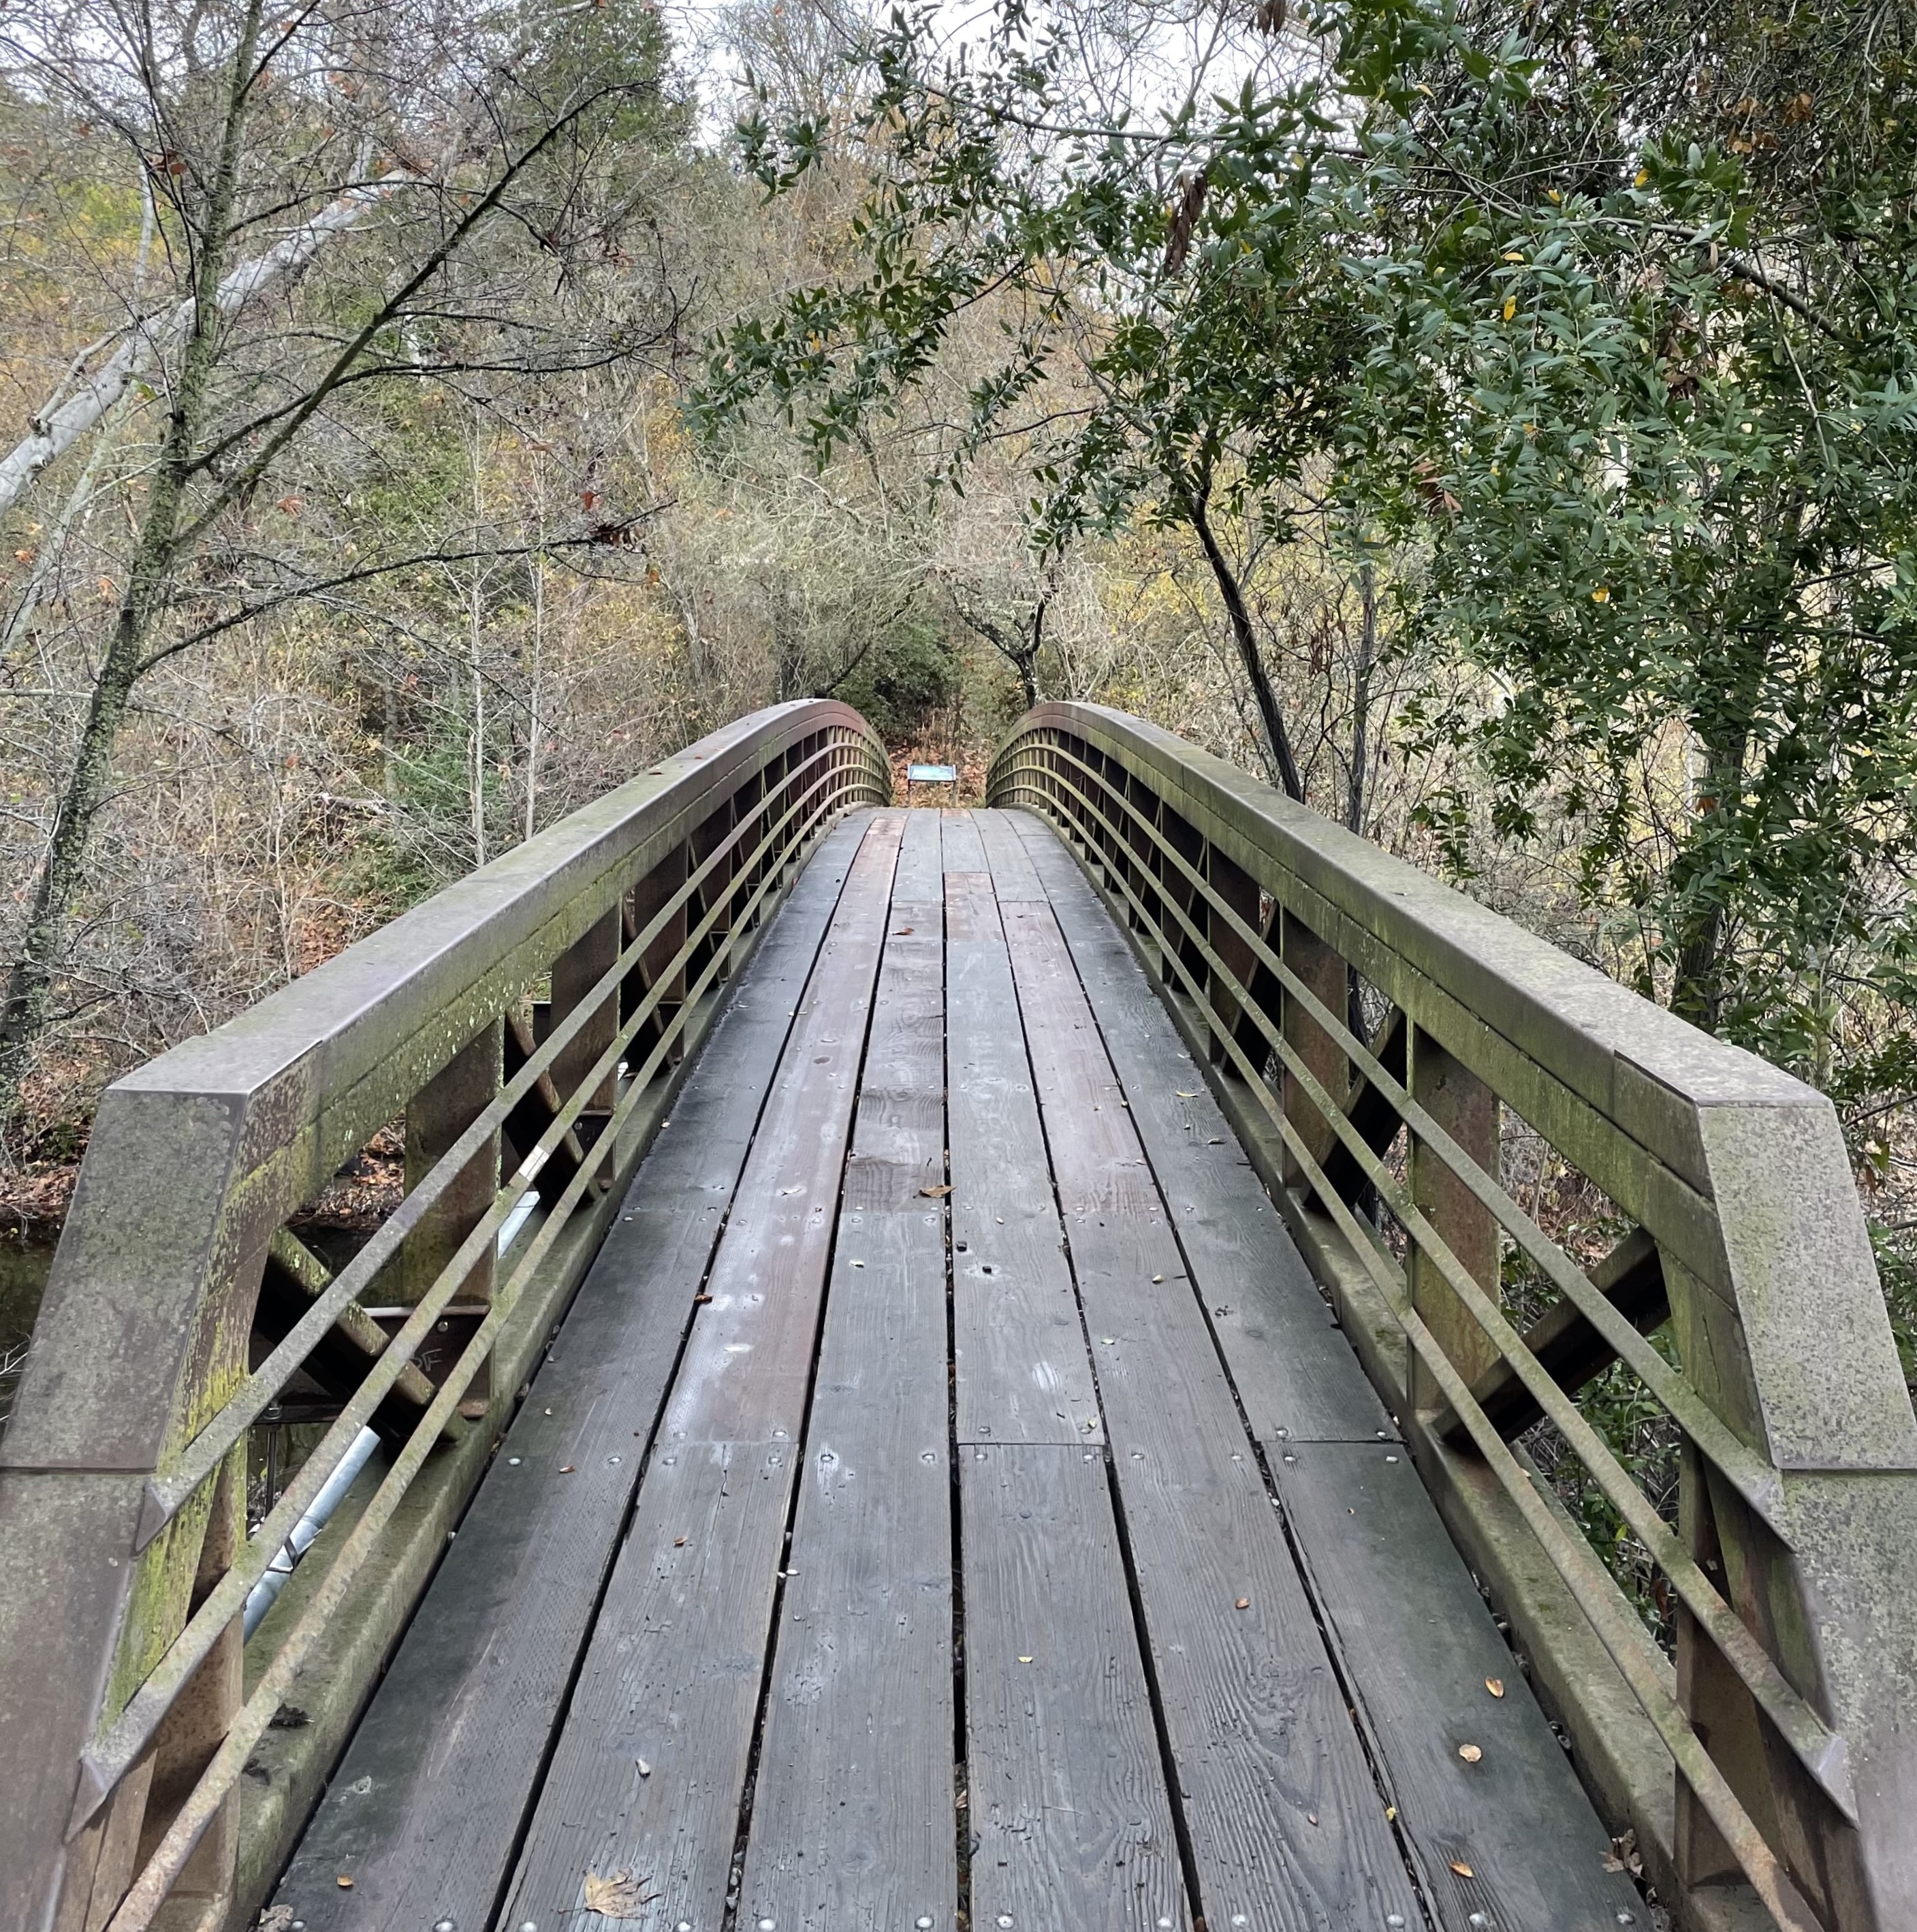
[(1013, 877), (1420, 1648), (677, 1656), (964, 850), (427, 1805), (917, 881), (1285, 1823), (1019, 1348), (1294, 1372), (852, 1820), (1072, 1829)]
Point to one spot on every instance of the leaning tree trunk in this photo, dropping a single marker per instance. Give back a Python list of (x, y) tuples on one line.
[(29, 983), (1246, 637)]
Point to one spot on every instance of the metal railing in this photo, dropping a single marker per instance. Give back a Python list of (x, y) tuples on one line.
[(1777, 1764), (181, 1307)]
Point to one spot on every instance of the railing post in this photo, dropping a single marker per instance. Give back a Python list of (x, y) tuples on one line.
[(652, 891), (575, 972), (436, 1116), (1240, 891), (1467, 1109), (198, 1722), (1323, 970)]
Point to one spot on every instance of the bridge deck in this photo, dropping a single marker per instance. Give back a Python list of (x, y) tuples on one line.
[(950, 1494)]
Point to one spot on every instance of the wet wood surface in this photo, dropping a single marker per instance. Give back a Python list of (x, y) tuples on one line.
[(950, 1502)]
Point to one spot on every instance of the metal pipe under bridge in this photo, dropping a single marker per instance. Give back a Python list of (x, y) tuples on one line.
[(937, 1369)]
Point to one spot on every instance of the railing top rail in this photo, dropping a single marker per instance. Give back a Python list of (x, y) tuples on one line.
[(1791, 1433), (1737, 1167), (1562, 1011), (197, 1157), (361, 1003)]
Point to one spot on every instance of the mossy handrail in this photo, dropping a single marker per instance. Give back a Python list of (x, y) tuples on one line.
[(1774, 1770), (130, 1707)]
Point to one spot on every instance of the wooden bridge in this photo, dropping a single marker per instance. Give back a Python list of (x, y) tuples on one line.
[(940, 1369)]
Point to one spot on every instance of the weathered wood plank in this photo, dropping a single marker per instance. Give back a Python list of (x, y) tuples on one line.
[(921, 863), (964, 850), (1509, 1834), (853, 1821), (428, 1803), (1019, 1346), (1285, 1823), (677, 1656), (1071, 1827), (1294, 1373), (749, 1364), (1013, 876)]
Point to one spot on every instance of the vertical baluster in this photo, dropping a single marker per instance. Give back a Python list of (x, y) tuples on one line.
[(197, 1726), (1467, 1109), (575, 972), (659, 966), (1322, 969), (1238, 890), (436, 1116)]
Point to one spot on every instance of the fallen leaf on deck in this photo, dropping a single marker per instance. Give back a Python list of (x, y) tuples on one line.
[(858, 1264), (645, 1769), (1242, 1604), (1462, 1870), (1024, 1660), (1470, 1754), (1158, 1277), (344, 1883), (1390, 1814), (935, 1193), (903, 932), (1184, 1095), (615, 1896), (679, 1542), (569, 1469), (1496, 1685)]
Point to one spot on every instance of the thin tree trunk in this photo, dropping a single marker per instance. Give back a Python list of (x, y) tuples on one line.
[(1355, 785), (539, 654), (29, 982), (477, 760), (1245, 636)]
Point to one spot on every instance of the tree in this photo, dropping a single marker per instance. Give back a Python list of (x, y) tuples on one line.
[(459, 266), (1605, 328)]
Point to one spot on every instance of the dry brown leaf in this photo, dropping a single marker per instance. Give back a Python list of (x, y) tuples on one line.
[(344, 1883), (936, 1193), (1242, 1604), (568, 1469), (1496, 1685), (1462, 1870), (679, 1542), (903, 932), (615, 1896), (1470, 1754)]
